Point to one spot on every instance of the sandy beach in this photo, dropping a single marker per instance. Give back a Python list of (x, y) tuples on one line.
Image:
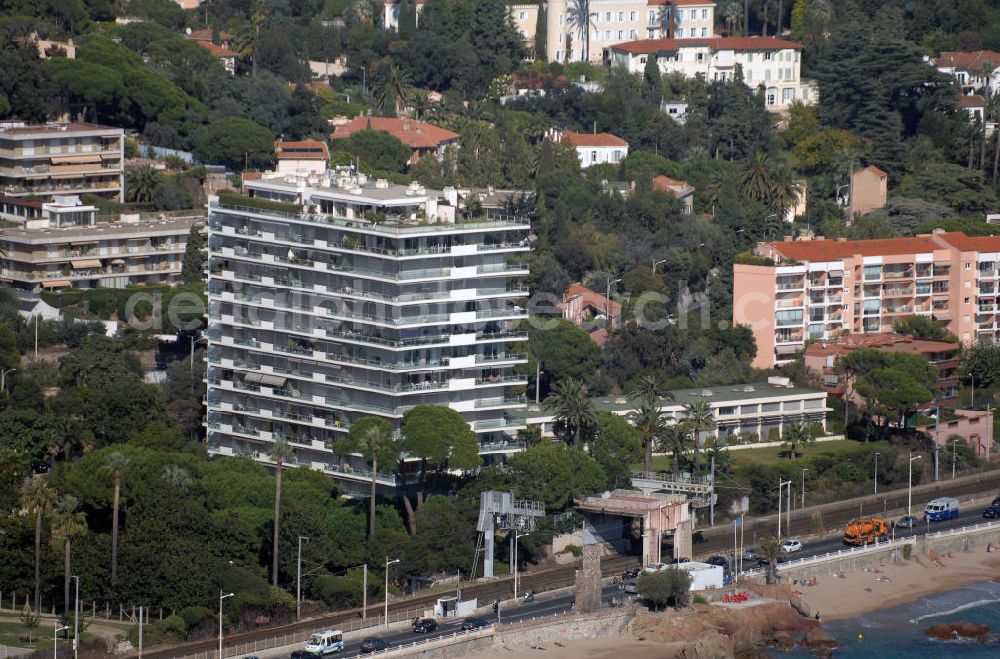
[(860, 592)]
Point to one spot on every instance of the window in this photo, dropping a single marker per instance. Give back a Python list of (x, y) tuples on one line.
[(700, 57), (631, 16), (593, 156), (652, 18), (704, 15), (521, 15), (968, 265), (618, 155), (621, 34), (560, 19), (873, 272), (607, 17), (726, 411), (872, 306), (680, 33), (621, 16), (767, 74), (788, 317), (680, 14), (704, 31), (642, 60), (559, 54), (771, 407), (967, 301), (787, 95), (607, 35), (632, 34), (772, 96), (767, 57)]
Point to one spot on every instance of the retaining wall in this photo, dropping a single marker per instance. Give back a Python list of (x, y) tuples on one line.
[(607, 623)]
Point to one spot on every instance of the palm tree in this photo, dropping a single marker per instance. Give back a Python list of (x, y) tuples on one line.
[(757, 178), (646, 393), (281, 453), (140, 184), (700, 416), (571, 405), (177, 476), (38, 497), (371, 437), (668, 21), (677, 439), (393, 90), (578, 15), (796, 435), (116, 463), (785, 192), (770, 549), (69, 523)]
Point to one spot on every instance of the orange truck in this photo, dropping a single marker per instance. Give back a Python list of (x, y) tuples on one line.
[(866, 531)]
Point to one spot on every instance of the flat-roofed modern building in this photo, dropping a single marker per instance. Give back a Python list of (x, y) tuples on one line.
[(61, 158), (358, 298), (62, 245)]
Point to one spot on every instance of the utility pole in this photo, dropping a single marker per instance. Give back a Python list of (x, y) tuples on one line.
[(781, 485), (298, 576), (140, 632), (876, 471), (711, 504), (364, 594), (538, 381), (937, 440), (607, 305), (76, 620), (804, 470), (788, 522), (954, 456)]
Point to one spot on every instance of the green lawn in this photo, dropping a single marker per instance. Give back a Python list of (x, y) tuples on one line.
[(14, 633), (773, 455)]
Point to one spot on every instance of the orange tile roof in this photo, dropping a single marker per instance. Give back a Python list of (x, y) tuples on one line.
[(302, 149), (971, 101), (218, 51), (964, 243), (968, 61), (593, 299), (593, 139), (415, 134), (672, 186), (874, 170), (825, 250), (650, 46), (205, 34)]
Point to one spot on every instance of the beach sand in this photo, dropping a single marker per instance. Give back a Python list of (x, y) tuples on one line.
[(835, 598)]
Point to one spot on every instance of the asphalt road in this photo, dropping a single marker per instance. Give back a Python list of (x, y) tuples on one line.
[(543, 605)]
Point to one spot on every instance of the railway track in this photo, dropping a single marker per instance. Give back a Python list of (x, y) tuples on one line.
[(484, 591)]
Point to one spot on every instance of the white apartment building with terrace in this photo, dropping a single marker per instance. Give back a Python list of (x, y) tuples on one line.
[(61, 158), (765, 62), (62, 245), (355, 299)]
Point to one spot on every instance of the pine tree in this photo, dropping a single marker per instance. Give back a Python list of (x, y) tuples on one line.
[(193, 266), (407, 18), (652, 84), (541, 25)]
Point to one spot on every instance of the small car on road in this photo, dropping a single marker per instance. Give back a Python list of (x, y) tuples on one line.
[(720, 561), (907, 522), (992, 512), (470, 624), (304, 654), (751, 555), (374, 644), (791, 546), (632, 587), (424, 626)]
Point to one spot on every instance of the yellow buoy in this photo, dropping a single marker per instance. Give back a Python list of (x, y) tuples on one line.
[(860, 637)]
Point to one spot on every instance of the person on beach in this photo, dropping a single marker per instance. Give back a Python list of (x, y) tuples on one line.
[(817, 616)]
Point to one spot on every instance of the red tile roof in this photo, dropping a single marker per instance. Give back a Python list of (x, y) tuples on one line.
[(970, 61), (825, 250), (593, 139), (650, 46), (205, 34), (971, 101), (874, 170), (964, 243), (892, 342), (672, 186), (415, 134), (218, 51), (302, 150)]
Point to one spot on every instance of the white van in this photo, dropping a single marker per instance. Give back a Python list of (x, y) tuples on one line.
[(326, 642), (941, 508)]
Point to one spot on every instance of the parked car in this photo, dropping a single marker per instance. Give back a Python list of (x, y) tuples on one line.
[(996, 502), (374, 644), (751, 555), (992, 512), (632, 572), (424, 626), (470, 624), (720, 561), (632, 587), (907, 522), (791, 546)]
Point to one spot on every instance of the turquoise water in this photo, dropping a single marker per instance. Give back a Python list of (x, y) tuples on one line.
[(899, 631)]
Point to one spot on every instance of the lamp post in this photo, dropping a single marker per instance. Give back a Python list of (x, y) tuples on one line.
[(876, 471), (4, 372), (656, 263), (195, 340), (222, 597), (55, 640), (538, 381), (387, 564), (804, 470), (76, 619), (909, 484), (954, 456), (298, 579), (364, 81), (607, 305), (516, 537), (781, 485)]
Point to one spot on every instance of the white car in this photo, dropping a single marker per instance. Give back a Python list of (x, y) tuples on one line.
[(791, 546)]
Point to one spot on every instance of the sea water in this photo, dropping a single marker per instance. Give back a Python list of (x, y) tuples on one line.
[(899, 631)]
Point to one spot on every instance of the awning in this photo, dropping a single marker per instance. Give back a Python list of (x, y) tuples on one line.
[(836, 273), (55, 170), (118, 262), (56, 283), (787, 350), (273, 381), (65, 160), (85, 263), (110, 156)]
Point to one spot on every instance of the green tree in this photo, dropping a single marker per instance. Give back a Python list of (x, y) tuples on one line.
[(392, 87), (617, 446), (570, 403), (371, 437), (770, 549), (541, 33), (10, 357), (235, 142), (38, 497), (69, 523), (922, 327), (981, 364), (407, 18), (193, 265), (140, 184), (280, 453), (700, 416), (899, 385), (377, 150), (116, 464), (796, 434), (669, 587), (565, 350), (678, 439), (556, 474), (652, 84)]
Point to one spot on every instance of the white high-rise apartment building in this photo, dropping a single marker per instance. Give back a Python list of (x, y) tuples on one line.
[(359, 298)]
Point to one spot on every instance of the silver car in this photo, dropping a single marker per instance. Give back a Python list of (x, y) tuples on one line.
[(632, 587)]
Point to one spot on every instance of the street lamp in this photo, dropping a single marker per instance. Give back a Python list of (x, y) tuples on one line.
[(876, 471), (656, 263), (55, 640), (4, 372), (516, 537), (222, 597), (804, 470), (607, 305), (76, 619), (298, 579), (364, 81), (954, 456), (387, 564), (909, 484), (781, 487)]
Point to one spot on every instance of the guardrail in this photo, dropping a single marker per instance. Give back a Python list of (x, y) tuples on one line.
[(878, 546), (465, 635)]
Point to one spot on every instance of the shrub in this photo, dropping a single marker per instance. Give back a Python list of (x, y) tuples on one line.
[(576, 550), (907, 552), (193, 615), (700, 599), (670, 587), (748, 258)]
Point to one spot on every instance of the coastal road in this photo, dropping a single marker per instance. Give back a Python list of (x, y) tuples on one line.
[(543, 606)]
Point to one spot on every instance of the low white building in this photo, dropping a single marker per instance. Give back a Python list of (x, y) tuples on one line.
[(764, 62), (974, 71), (593, 148), (304, 156)]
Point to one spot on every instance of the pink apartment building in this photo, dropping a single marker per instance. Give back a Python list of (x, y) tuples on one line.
[(805, 290)]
